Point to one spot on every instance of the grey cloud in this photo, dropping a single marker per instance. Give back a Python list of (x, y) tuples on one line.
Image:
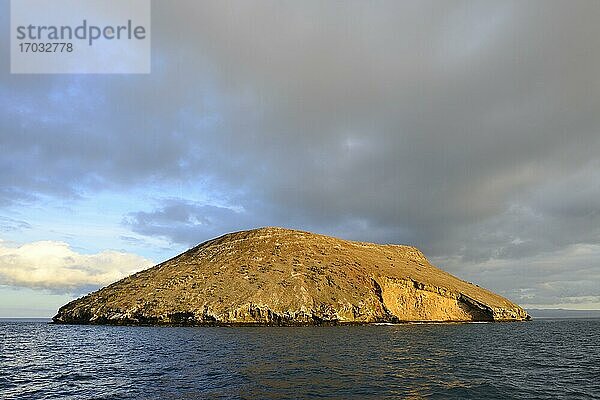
[(404, 137), (187, 223), (566, 276), (546, 217), (469, 129)]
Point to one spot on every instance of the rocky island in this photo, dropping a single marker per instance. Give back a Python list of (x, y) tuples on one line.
[(275, 276)]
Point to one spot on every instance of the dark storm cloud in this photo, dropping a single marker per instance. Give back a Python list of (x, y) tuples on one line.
[(470, 129), (425, 117)]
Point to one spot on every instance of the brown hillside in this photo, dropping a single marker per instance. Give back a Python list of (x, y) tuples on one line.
[(280, 276)]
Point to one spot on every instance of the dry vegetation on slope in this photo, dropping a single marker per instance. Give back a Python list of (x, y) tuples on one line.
[(280, 276)]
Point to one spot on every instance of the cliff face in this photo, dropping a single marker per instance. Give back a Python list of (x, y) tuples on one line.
[(286, 277)]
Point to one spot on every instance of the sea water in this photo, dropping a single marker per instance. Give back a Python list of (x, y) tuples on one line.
[(540, 359)]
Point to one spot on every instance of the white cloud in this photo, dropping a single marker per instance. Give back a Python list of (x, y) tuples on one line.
[(55, 266)]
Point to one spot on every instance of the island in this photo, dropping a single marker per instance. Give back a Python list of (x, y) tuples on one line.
[(277, 276)]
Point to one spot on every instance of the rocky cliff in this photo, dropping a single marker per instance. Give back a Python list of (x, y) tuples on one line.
[(286, 277)]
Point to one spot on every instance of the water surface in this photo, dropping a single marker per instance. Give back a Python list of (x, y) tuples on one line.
[(540, 359)]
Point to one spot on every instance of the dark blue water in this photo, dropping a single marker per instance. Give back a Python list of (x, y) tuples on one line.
[(541, 359)]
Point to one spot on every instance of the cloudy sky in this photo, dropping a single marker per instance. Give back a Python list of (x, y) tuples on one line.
[(470, 129)]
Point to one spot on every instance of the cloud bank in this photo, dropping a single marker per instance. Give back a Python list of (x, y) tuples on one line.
[(57, 267)]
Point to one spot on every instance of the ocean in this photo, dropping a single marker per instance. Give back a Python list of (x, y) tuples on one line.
[(540, 359)]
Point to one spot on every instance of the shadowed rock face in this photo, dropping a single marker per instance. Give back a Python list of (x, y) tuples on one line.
[(276, 276)]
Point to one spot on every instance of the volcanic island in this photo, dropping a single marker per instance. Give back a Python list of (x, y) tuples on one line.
[(276, 276)]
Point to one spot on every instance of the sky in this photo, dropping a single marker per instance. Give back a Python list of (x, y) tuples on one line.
[(470, 129)]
